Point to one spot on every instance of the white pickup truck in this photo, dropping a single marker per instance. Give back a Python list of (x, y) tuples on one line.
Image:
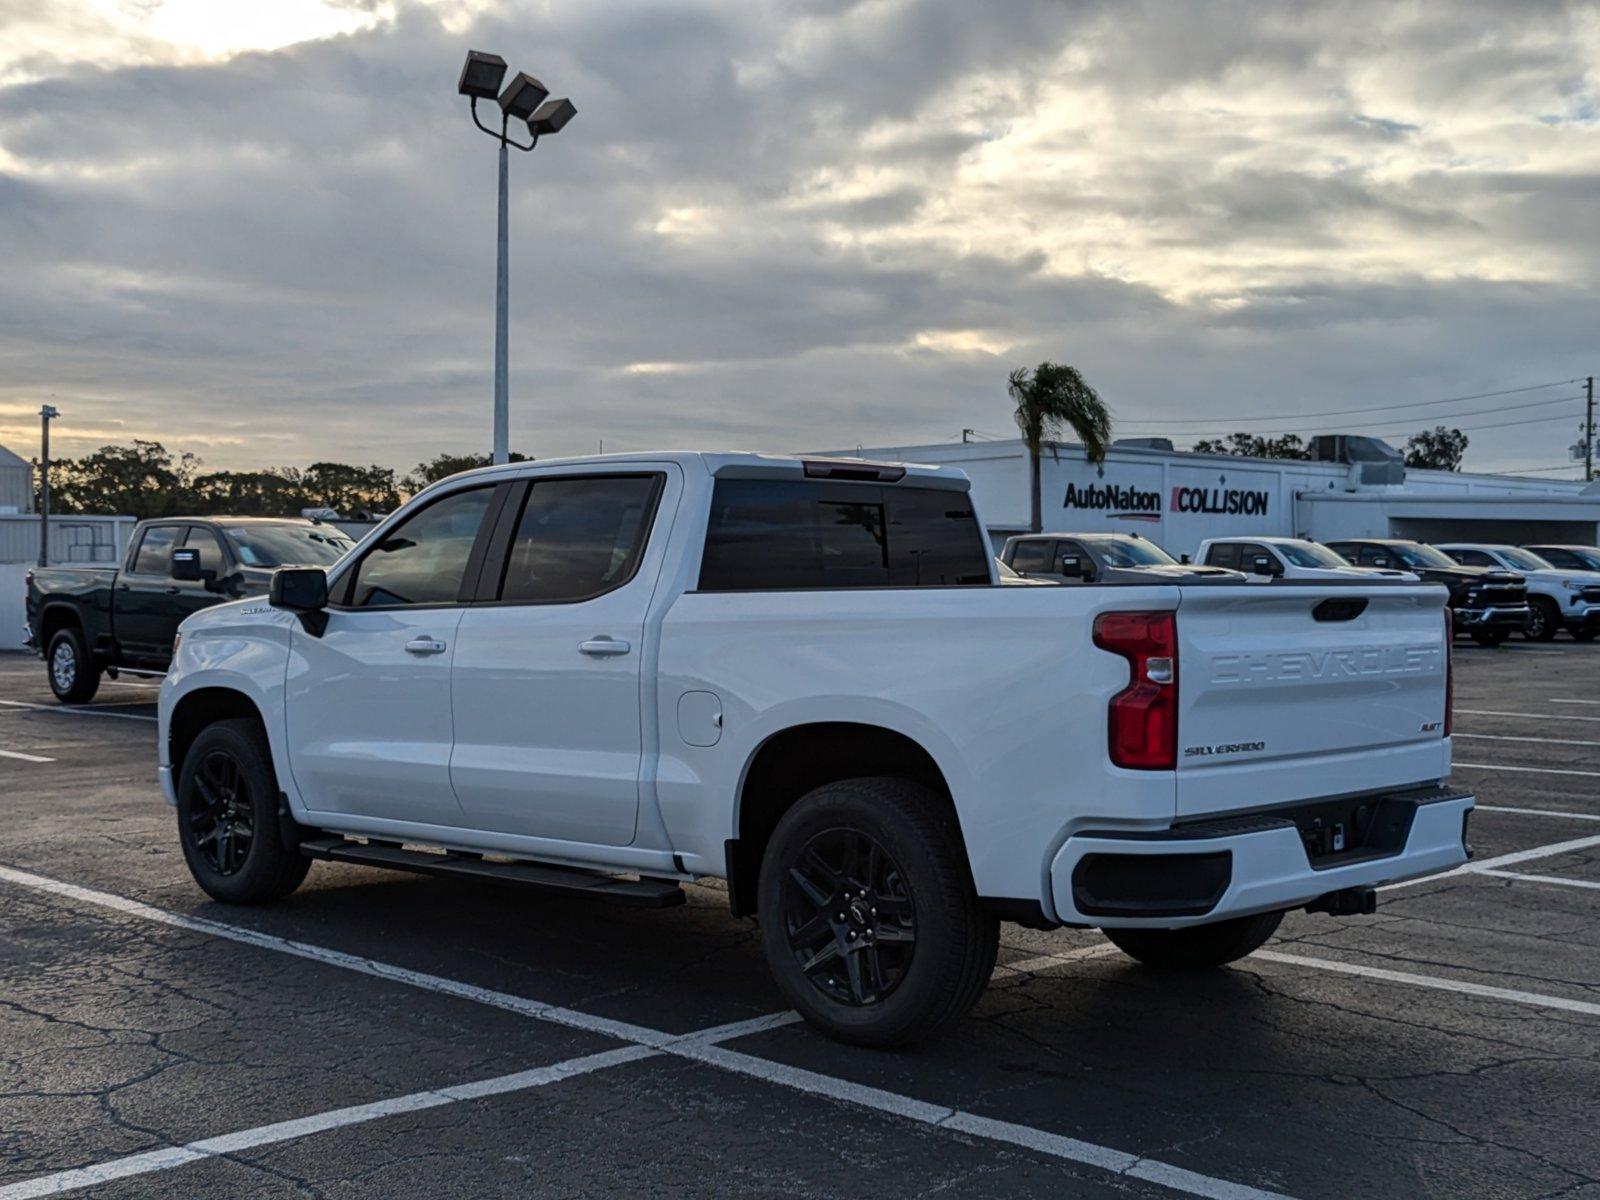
[(611, 676)]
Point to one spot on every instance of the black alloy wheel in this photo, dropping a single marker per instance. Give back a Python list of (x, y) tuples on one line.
[(850, 917), (222, 825)]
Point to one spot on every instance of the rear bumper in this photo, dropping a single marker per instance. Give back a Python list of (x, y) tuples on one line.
[(1232, 866), (1497, 617)]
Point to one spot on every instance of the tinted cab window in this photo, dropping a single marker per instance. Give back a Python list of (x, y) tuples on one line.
[(578, 538), (423, 560), (1473, 558), (770, 535), (1224, 555), (1031, 557), (155, 550)]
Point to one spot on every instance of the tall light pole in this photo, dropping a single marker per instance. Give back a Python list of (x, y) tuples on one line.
[(524, 100), (46, 414)]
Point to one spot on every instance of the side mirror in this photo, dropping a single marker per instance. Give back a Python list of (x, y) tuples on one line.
[(299, 589), (186, 567), (1074, 567), (1380, 561), (1185, 559), (1262, 564)]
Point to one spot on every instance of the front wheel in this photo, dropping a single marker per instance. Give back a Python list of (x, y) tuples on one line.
[(228, 818), (1490, 637), (1544, 618), (869, 918), (1197, 947), (74, 677)]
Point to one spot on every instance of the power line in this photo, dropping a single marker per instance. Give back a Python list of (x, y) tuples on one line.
[(1341, 412), (1477, 412)]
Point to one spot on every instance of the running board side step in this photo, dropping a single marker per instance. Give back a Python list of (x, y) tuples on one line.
[(571, 881)]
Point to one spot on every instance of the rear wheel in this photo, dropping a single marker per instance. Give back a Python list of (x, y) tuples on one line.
[(228, 818), (1544, 618), (869, 918), (74, 677), (1197, 946), (1489, 637)]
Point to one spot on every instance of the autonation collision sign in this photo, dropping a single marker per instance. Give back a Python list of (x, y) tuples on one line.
[(1188, 505)]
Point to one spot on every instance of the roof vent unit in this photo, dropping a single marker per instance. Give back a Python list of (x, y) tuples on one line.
[(1143, 444), (1372, 462)]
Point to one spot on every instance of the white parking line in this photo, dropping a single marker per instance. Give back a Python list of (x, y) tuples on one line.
[(1539, 812), (1560, 700), (283, 1131), (1490, 712), (77, 710), (1504, 737), (17, 754), (1536, 999), (693, 1047), (1502, 860), (1577, 883), (1525, 770)]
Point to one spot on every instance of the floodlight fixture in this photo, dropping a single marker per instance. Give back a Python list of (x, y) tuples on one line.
[(522, 95), (481, 75), (523, 99), (550, 116)]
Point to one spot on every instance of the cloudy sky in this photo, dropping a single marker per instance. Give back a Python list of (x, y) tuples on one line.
[(265, 231)]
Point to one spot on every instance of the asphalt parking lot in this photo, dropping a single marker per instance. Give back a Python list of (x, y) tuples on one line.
[(390, 1035)]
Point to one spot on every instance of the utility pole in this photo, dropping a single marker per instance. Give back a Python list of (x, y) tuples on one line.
[(1588, 430), (45, 414)]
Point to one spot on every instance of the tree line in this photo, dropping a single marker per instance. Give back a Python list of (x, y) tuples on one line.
[(146, 479), (1436, 449)]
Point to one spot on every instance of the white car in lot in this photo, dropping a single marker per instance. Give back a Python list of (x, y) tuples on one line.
[(1288, 558), (608, 676), (1557, 598)]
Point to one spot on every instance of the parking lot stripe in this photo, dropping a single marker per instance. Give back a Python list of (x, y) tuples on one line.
[(17, 754), (339, 1118), (1491, 712), (76, 710), (1505, 737), (1526, 770), (697, 1047), (1560, 700), (1501, 860), (1539, 812), (1435, 982), (1557, 879)]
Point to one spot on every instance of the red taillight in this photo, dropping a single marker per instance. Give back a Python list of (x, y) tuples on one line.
[(1449, 669), (1143, 716)]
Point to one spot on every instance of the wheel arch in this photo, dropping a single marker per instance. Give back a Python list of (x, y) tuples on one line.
[(799, 758), (55, 616), (203, 706)]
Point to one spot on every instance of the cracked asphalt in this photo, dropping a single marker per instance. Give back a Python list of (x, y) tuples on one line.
[(122, 1036)]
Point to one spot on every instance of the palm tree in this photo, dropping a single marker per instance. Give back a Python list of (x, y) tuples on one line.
[(1051, 399)]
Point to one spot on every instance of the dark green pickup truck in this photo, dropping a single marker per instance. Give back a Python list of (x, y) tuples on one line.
[(87, 621)]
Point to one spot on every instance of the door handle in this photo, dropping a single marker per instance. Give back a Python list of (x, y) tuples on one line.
[(425, 645), (603, 647)]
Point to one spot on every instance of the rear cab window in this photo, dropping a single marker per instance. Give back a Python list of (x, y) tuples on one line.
[(782, 535)]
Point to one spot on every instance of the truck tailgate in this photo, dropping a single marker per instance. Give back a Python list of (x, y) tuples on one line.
[(1294, 691)]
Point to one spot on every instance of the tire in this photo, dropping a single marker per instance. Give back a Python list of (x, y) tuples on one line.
[(1584, 635), (228, 818), (1544, 619), (1197, 947), (1490, 637), (74, 677), (900, 963)]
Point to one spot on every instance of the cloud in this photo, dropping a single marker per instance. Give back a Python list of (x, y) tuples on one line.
[(780, 225)]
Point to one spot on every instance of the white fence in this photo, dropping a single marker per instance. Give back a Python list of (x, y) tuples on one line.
[(74, 541)]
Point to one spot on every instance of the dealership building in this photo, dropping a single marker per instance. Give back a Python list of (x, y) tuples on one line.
[(1356, 487)]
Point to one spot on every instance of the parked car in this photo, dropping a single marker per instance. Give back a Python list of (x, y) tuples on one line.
[(87, 621), (606, 676), (1289, 558), (1569, 558), (1488, 603), (1557, 599), (1101, 558)]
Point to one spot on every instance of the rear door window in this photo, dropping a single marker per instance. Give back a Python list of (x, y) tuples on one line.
[(1031, 557), (1224, 555), (778, 535), (579, 538), (155, 550)]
